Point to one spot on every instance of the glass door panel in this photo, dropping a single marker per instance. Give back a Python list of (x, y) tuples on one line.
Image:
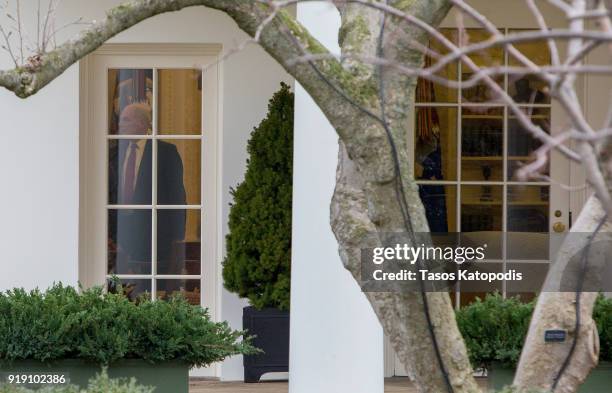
[(522, 145), (427, 91), (529, 89), (127, 87), (481, 208), (480, 92), (180, 101), (440, 203), (482, 142), (436, 143), (469, 154), (154, 161)]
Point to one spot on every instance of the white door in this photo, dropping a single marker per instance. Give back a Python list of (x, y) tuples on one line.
[(149, 170), (467, 149)]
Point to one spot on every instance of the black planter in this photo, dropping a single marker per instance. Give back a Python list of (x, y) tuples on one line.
[(271, 328)]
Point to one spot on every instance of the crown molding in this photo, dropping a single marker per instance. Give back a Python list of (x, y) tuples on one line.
[(153, 49)]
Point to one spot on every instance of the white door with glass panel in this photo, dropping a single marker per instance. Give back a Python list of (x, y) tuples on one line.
[(467, 148), (151, 160)]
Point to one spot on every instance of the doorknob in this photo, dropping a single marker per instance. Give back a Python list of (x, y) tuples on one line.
[(559, 227)]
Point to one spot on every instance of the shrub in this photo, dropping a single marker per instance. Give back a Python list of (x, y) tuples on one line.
[(100, 384), (102, 328), (258, 261), (602, 314), (495, 328)]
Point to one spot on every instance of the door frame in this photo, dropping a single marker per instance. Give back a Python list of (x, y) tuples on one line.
[(91, 266)]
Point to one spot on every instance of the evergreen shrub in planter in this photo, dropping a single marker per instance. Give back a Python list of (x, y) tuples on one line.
[(62, 330), (495, 328), (258, 261)]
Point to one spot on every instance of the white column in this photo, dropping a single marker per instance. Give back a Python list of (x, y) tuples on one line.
[(336, 340)]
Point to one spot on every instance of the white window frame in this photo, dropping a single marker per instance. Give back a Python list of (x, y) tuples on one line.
[(93, 185)]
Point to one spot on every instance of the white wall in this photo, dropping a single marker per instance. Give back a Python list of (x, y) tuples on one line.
[(39, 149), (336, 340), (39, 177)]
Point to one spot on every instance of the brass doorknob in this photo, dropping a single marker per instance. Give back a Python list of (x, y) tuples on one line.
[(559, 227)]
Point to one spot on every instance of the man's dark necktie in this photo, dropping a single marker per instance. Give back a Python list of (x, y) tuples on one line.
[(130, 174)]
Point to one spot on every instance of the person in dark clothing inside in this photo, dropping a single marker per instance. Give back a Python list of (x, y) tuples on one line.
[(130, 178), (434, 196)]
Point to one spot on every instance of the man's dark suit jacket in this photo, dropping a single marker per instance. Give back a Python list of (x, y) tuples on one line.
[(130, 230)]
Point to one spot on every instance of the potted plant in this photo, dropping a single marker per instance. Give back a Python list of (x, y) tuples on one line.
[(75, 334), (258, 261), (495, 328)]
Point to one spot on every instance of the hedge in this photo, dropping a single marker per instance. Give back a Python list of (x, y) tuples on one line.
[(102, 328), (495, 328)]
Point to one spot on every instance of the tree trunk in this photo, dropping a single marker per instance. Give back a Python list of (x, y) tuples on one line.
[(401, 314), (540, 362)]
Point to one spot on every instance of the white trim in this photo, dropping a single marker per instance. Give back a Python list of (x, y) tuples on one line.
[(158, 49), (83, 170)]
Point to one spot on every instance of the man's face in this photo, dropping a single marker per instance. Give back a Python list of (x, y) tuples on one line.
[(133, 122)]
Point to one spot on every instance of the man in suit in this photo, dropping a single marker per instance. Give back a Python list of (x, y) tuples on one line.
[(130, 183)]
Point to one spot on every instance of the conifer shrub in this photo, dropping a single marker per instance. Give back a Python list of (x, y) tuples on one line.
[(258, 261), (494, 329), (102, 328), (602, 314)]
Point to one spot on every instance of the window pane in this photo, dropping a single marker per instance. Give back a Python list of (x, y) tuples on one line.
[(481, 208), (481, 212), (129, 241), (130, 89), (129, 171), (492, 57), (178, 241), (529, 88), (180, 101), (528, 208), (436, 143), (132, 288), (521, 143), (440, 204), (190, 289), (428, 91), (528, 222), (178, 172), (482, 144)]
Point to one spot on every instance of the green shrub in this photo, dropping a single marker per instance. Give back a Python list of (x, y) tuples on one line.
[(258, 262), (495, 328), (602, 314), (102, 328), (100, 384)]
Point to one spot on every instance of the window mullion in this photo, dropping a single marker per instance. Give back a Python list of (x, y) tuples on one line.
[(154, 187)]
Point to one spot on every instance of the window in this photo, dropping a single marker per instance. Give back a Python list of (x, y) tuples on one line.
[(154, 180), (148, 179), (467, 147)]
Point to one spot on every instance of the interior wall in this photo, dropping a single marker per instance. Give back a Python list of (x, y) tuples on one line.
[(39, 153)]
